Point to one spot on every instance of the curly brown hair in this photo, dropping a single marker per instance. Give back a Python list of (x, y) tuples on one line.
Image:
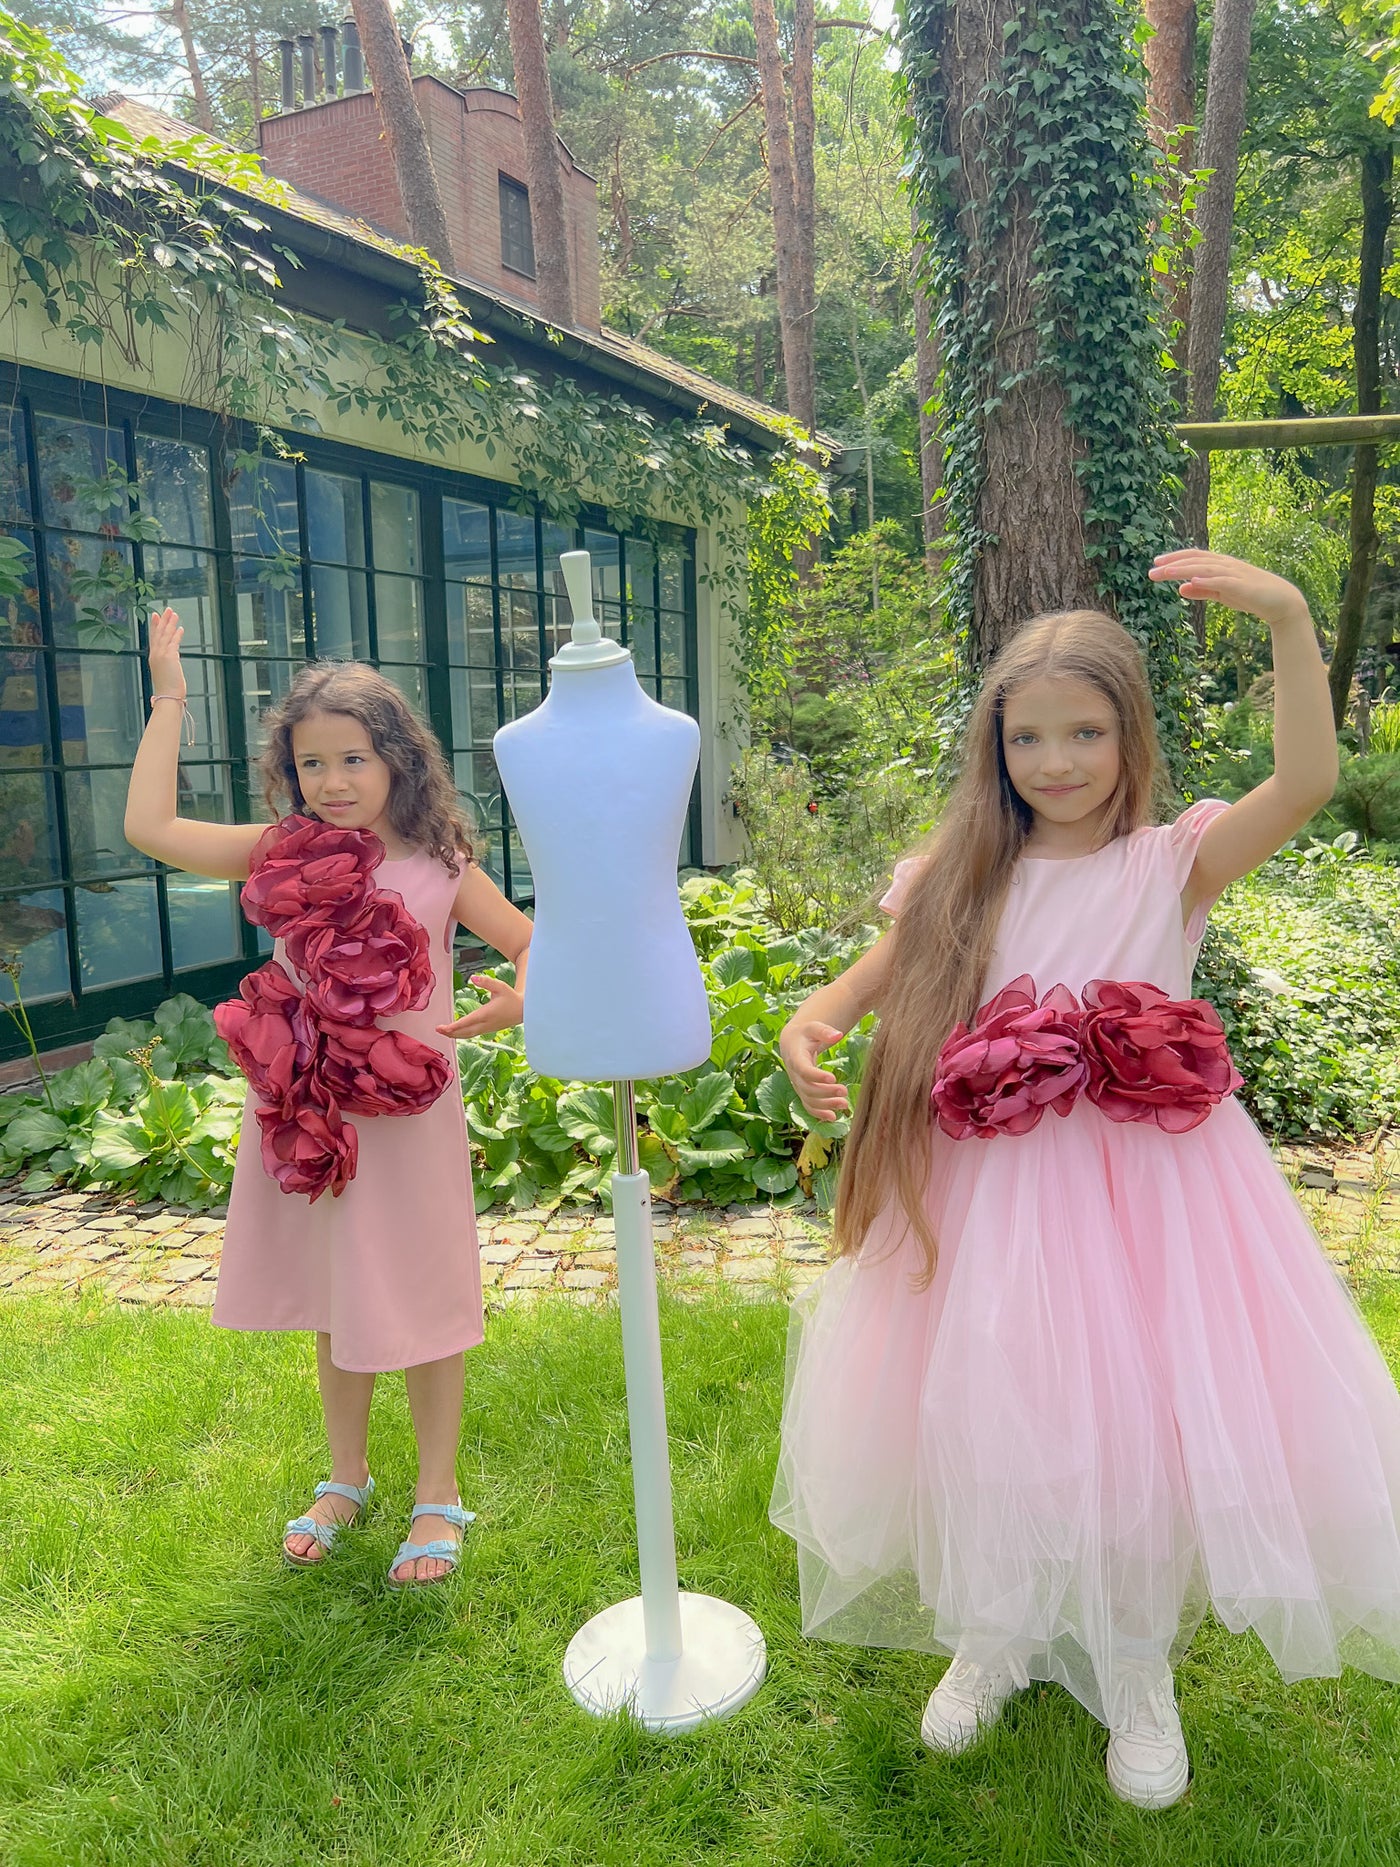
[(423, 804)]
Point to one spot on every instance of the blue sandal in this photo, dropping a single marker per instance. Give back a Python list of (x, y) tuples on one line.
[(440, 1548), (325, 1533)]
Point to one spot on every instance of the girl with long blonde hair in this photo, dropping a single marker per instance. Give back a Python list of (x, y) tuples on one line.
[(1081, 1367)]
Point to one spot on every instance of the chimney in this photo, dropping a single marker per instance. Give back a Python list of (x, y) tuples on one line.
[(308, 69), (354, 57), (328, 39), (289, 86)]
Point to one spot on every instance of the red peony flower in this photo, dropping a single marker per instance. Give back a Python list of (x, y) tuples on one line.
[(306, 1146), (1152, 1058), (1017, 1060), (268, 1030), (306, 871), (375, 966), (369, 1072)]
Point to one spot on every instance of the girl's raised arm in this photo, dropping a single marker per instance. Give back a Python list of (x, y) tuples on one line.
[(219, 850), (1305, 740)]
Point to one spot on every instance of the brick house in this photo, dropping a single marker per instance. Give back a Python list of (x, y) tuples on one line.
[(362, 546)]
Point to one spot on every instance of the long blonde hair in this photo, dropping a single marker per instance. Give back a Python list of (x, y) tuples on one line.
[(943, 940)]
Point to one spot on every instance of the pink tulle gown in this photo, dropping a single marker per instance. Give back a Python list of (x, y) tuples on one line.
[(390, 1269), (1135, 1385)]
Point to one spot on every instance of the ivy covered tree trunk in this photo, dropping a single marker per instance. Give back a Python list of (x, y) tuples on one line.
[(1030, 149)]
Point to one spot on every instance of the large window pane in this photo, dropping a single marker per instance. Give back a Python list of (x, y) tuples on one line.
[(203, 920), (555, 540), (409, 682), (14, 469), (263, 683), (118, 933), (466, 539), (96, 803), (474, 717), (677, 694), (32, 931), (520, 630), (471, 631), (100, 715), (673, 656), (92, 592), (262, 504), (29, 848), (606, 563), (268, 594), (398, 618), (340, 613), (175, 498), (673, 562), (207, 709), (83, 484), (515, 550), (188, 582), (335, 518), (393, 512), (206, 792), (24, 714)]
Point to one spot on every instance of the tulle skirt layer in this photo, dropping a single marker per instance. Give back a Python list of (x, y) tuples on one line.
[(1134, 1386)]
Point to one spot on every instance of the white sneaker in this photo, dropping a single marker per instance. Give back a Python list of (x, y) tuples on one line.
[(967, 1700), (1147, 1762)]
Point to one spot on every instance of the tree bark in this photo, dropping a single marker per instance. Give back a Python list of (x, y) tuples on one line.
[(1377, 165), (926, 387), (403, 128), (782, 188), (1171, 103), (804, 140), (1215, 219), (547, 218), (203, 110)]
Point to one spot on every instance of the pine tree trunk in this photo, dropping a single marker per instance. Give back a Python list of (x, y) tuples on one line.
[(1376, 169), (403, 129), (1171, 103), (926, 387), (803, 394), (1215, 218), (787, 237), (547, 218), (203, 110)]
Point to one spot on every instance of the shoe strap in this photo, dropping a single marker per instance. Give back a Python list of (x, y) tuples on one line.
[(357, 1494), (452, 1512), (440, 1547)]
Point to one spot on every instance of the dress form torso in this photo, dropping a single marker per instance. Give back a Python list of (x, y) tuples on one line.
[(598, 778)]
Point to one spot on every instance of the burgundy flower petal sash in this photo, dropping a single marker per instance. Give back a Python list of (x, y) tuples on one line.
[(1137, 1054), (313, 1058)]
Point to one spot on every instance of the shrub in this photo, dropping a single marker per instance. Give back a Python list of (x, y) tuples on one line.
[(1367, 798)]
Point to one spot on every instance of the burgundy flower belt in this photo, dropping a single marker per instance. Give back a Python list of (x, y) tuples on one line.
[(314, 1057), (1137, 1054)]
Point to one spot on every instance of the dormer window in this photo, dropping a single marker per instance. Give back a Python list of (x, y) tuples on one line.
[(517, 239)]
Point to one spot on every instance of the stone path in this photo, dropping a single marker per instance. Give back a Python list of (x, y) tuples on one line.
[(92, 1243)]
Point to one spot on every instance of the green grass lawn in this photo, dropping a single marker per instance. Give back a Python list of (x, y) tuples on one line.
[(169, 1693)]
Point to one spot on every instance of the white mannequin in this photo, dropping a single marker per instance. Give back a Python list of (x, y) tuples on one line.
[(598, 778)]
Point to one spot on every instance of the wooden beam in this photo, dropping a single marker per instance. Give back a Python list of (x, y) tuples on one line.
[(1213, 437)]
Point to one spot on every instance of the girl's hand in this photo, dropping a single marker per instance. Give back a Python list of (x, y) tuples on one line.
[(163, 638), (504, 1007), (1211, 577), (819, 1092)]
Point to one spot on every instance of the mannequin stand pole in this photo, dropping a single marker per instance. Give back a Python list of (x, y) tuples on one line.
[(672, 1659)]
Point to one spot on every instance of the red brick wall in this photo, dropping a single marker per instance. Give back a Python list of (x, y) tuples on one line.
[(336, 151)]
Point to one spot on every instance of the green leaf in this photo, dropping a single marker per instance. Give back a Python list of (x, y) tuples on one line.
[(735, 963), (772, 1175), (35, 1131), (706, 1099), (587, 1115), (719, 1146)]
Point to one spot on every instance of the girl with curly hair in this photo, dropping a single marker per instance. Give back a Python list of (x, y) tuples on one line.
[(346, 1036)]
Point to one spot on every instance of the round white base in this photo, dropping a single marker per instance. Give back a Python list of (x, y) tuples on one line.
[(721, 1666)]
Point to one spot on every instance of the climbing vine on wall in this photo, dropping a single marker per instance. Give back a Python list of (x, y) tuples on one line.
[(1063, 106), (116, 239)]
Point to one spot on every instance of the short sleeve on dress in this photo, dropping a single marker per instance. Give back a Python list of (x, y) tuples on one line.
[(901, 881), (1184, 839)]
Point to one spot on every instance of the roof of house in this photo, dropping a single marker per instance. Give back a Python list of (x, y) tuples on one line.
[(359, 247)]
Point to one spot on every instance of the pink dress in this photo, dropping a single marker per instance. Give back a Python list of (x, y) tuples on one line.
[(390, 1269), (1135, 1385)]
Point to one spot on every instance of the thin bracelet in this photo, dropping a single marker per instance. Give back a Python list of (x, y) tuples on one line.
[(184, 708)]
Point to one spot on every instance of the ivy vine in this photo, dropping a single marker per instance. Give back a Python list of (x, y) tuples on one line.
[(1063, 112), (114, 246)]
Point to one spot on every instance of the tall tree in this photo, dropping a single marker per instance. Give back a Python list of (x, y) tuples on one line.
[(795, 306), (403, 128), (1029, 167), (1215, 219), (1171, 111), (548, 221), (1377, 169)]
